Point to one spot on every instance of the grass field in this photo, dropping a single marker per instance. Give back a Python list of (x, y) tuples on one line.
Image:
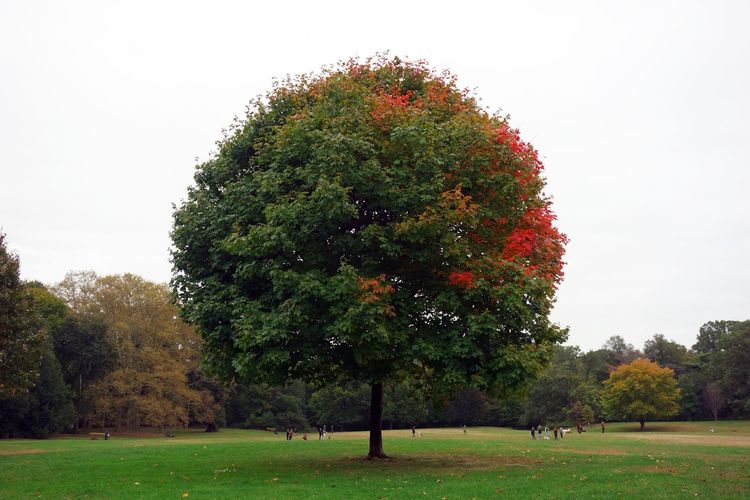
[(676, 459)]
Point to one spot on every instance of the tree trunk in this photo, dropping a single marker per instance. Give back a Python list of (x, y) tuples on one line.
[(643, 424), (376, 422)]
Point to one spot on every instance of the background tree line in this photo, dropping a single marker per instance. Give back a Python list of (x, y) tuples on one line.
[(96, 352), (110, 352), (711, 376)]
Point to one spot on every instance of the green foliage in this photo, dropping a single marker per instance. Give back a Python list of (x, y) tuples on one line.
[(263, 407), (469, 407), (406, 405), (709, 336), (47, 407), (505, 412), (85, 356), (22, 334), (50, 406), (347, 406), (734, 359), (550, 398), (667, 353)]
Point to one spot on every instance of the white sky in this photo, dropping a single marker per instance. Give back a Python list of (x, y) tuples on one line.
[(641, 111)]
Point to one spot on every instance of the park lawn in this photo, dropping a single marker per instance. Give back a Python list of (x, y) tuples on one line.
[(675, 459)]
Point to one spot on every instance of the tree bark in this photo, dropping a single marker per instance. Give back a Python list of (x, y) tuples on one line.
[(376, 422), (643, 424)]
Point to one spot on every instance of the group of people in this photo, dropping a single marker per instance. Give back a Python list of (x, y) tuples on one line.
[(322, 433), (558, 431), (537, 431)]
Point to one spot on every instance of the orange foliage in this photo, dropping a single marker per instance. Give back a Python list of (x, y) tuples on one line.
[(374, 288)]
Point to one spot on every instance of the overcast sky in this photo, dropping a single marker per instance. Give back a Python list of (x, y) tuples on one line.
[(641, 111)]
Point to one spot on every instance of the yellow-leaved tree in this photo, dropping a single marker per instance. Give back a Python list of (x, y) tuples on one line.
[(641, 390), (155, 380)]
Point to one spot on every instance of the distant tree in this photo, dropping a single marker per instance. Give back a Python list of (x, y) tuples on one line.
[(50, 405), (82, 347), (550, 398), (405, 404), (211, 398), (469, 407), (506, 411), (641, 390), (666, 352), (690, 395), (22, 335), (246, 400), (142, 358), (596, 365), (714, 399), (733, 363), (369, 224), (346, 406), (77, 289), (588, 395), (47, 407), (620, 352), (710, 335)]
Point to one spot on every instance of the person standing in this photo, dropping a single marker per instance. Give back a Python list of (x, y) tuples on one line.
[(413, 431), (555, 429), (533, 432), (602, 426)]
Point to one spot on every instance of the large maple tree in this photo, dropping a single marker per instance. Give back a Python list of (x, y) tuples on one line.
[(371, 222)]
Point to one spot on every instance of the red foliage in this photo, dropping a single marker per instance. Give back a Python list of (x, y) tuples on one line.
[(529, 165), (462, 280), (537, 244), (391, 104)]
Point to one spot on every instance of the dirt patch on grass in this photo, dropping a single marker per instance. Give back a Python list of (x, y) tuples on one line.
[(594, 451), (27, 451), (695, 439), (437, 461), (655, 469)]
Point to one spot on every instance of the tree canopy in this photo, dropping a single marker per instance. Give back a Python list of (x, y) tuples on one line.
[(372, 222), (22, 334), (641, 390)]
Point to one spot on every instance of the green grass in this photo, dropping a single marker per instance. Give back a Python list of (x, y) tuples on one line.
[(675, 459)]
